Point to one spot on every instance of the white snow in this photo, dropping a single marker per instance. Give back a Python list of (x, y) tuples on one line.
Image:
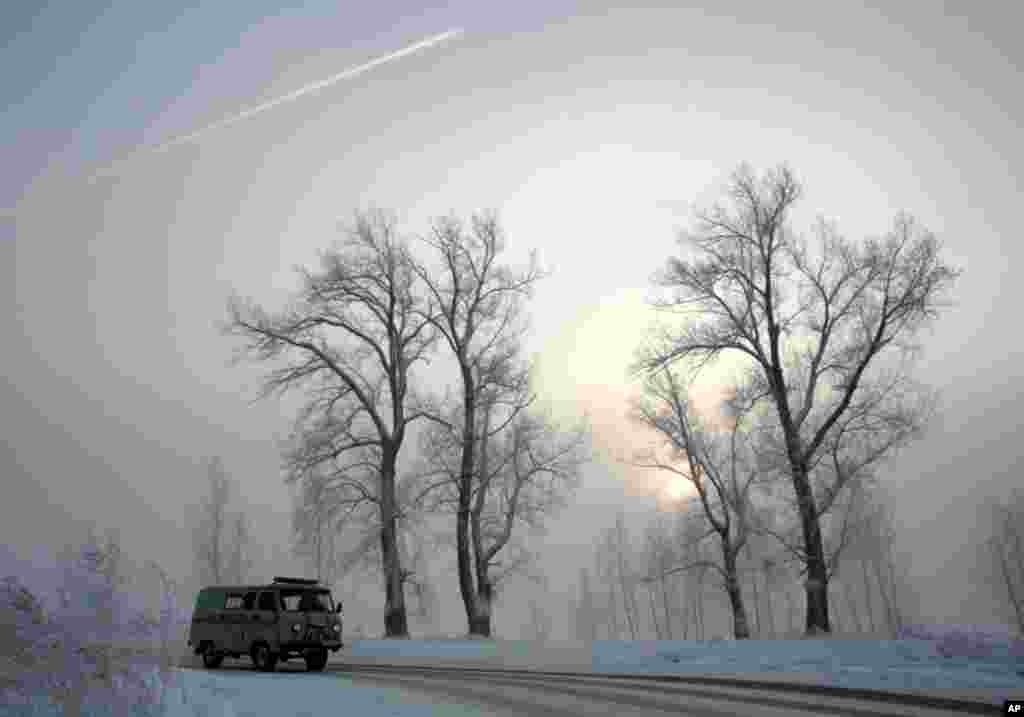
[(915, 663), (884, 664)]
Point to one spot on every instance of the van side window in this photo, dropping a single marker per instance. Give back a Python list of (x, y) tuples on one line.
[(268, 601), (210, 600), (250, 601), (233, 602)]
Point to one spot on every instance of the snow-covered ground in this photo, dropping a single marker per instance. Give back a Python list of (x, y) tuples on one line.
[(973, 663), (916, 664), (884, 664), (61, 623)]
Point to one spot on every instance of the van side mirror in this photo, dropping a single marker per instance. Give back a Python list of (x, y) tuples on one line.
[(337, 608)]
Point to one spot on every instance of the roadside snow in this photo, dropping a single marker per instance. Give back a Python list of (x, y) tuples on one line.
[(913, 663), (989, 669), (893, 664), (240, 693)]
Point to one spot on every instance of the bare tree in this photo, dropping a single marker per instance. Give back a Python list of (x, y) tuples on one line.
[(812, 323), (713, 464), (478, 302), (661, 557), (1000, 563), (350, 341), (315, 524), (525, 469), (627, 578), (212, 539), (606, 583), (586, 617), (239, 561)]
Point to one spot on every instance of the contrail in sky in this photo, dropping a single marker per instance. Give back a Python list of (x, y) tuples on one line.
[(302, 91)]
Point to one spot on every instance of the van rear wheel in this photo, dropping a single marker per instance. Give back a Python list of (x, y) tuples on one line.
[(211, 660), (316, 659)]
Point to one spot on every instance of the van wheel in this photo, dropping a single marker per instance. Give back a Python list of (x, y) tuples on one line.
[(316, 660), (211, 660), (263, 659)]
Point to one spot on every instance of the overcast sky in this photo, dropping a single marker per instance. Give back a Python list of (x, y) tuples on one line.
[(592, 131)]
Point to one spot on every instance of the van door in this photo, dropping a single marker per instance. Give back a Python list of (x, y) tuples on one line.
[(247, 625), (230, 622), (266, 625)]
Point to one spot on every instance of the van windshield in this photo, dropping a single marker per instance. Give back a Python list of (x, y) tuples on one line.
[(307, 601)]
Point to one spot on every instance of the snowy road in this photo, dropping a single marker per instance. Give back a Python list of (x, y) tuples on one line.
[(382, 690), (414, 678), (511, 692)]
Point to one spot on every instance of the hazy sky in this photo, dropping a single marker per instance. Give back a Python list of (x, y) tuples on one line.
[(590, 129)]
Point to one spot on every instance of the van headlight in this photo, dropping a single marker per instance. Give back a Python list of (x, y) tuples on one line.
[(296, 628), (337, 628)]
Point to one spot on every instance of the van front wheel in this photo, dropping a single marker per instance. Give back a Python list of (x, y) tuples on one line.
[(316, 659), (263, 658), (211, 660)]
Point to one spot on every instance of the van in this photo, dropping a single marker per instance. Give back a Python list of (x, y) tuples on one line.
[(290, 617)]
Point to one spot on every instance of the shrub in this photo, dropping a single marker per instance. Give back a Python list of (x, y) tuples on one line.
[(967, 640), (72, 636)]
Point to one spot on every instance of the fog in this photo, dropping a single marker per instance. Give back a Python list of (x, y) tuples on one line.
[(591, 130)]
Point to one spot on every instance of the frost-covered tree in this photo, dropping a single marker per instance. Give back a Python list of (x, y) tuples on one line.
[(819, 325), (349, 343), (220, 535), (74, 634)]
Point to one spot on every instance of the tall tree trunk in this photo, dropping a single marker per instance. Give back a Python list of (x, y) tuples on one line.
[(851, 607), (654, 612), (465, 490), (1008, 581), (897, 611), (1012, 582), (886, 595), (753, 584), (791, 610), (837, 614), (682, 604), (615, 612), (485, 599), (628, 600), (664, 608), (816, 586), (480, 621), (699, 609), (770, 612), (395, 621), (868, 602), (740, 627)]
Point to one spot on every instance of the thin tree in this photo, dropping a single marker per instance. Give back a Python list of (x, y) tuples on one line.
[(525, 468), (314, 524), (713, 464), (211, 536), (661, 557), (478, 304), (812, 323), (606, 573), (585, 616), (239, 562), (350, 340)]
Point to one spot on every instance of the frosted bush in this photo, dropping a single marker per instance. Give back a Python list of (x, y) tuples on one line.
[(967, 640), (72, 639)]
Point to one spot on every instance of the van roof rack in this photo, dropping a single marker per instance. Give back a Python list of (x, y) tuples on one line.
[(297, 581)]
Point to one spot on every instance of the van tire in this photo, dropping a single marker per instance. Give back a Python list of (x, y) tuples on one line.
[(211, 659), (316, 660), (262, 658)]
